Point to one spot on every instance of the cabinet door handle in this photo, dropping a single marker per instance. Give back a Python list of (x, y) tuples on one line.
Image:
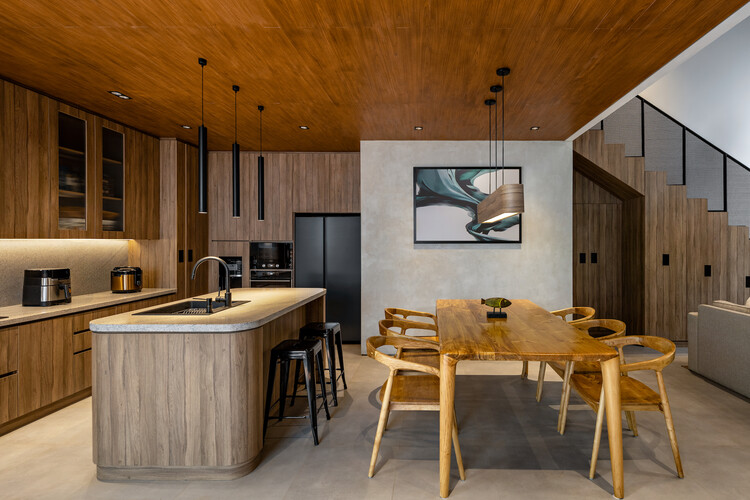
[(181, 256), (190, 255)]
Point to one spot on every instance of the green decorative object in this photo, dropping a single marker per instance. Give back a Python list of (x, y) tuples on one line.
[(496, 303)]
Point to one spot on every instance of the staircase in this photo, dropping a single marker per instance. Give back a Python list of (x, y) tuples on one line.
[(675, 254)]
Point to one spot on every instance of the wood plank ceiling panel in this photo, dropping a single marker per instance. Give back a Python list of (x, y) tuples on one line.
[(350, 71)]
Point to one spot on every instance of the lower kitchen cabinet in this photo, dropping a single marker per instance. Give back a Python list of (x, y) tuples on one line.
[(46, 365), (8, 397), (82, 370)]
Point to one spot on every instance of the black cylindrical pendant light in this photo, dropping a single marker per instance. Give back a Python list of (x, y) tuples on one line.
[(261, 187), (235, 162), (202, 154)]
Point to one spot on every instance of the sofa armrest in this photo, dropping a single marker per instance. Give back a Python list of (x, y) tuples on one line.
[(692, 335)]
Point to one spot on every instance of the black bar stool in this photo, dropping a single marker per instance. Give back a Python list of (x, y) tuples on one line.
[(309, 351), (331, 334)]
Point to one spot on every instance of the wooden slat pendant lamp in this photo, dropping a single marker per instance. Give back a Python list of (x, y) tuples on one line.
[(507, 199)]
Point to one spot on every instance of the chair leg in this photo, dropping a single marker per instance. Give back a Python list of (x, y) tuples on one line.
[(340, 350), (459, 458), (563, 415), (321, 374), (540, 380), (331, 367), (269, 392), (297, 367), (284, 379), (667, 410), (597, 435), (630, 416), (384, 410), (311, 397), (525, 370)]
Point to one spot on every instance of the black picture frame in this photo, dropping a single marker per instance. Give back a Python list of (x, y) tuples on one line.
[(478, 239)]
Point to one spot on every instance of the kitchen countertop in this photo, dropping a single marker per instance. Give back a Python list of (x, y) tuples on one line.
[(79, 303), (266, 304)]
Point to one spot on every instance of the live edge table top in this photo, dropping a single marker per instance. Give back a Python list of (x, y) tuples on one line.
[(528, 333)]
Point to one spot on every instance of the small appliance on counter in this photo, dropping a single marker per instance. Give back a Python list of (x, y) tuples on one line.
[(46, 287), (126, 279)]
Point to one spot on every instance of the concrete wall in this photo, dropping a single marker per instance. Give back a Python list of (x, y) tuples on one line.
[(397, 272), (710, 92), (90, 262)]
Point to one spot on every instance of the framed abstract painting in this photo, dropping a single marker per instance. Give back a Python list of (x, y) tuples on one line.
[(445, 205)]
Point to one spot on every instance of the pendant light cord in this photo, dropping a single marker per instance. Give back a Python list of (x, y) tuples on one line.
[(202, 68), (503, 124), (489, 142), (235, 116), (495, 140)]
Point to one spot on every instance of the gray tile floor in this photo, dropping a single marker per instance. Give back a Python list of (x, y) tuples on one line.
[(510, 446)]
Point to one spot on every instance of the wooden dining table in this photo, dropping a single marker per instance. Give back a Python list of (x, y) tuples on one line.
[(529, 333)]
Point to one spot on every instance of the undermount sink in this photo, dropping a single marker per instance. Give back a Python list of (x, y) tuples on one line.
[(191, 307)]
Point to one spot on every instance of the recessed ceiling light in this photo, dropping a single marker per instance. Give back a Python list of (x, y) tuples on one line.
[(118, 94), (535, 127), (304, 127), (417, 128), (186, 126)]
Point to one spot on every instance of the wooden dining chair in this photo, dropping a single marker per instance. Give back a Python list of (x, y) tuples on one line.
[(635, 395), (616, 329), (583, 314), (400, 328), (407, 392), (399, 313)]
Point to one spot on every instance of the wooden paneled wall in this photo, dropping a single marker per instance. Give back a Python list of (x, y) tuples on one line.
[(597, 229), (674, 226), (29, 167), (294, 183)]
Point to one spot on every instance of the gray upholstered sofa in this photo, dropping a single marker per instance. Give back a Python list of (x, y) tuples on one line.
[(719, 344)]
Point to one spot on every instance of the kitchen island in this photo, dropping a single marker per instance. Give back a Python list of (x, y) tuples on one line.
[(181, 396)]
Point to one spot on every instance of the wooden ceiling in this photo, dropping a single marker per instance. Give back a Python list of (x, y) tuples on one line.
[(351, 70)]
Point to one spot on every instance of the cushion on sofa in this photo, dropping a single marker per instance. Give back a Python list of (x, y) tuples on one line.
[(732, 306)]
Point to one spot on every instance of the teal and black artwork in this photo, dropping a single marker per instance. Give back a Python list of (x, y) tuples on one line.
[(445, 205)]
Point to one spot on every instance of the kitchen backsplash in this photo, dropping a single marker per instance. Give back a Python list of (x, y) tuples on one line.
[(90, 262)]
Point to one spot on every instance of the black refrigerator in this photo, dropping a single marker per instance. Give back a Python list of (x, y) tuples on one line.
[(327, 255)]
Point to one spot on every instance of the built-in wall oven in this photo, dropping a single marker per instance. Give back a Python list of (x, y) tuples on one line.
[(235, 272), (271, 264)]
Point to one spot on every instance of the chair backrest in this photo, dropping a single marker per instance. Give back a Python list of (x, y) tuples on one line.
[(400, 326), (616, 326), (664, 346), (584, 313), (400, 313), (400, 342)]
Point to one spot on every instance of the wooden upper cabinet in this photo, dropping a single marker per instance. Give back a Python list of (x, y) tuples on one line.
[(74, 167), (71, 174), (142, 184), (110, 207)]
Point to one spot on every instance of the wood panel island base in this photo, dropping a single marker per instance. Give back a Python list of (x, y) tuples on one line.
[(181, 397)]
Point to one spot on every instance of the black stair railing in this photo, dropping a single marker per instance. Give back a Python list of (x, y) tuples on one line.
[(687, 158)]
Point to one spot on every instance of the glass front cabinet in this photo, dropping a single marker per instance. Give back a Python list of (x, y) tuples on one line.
[(83, 179), (113, 177), (72, 172)]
